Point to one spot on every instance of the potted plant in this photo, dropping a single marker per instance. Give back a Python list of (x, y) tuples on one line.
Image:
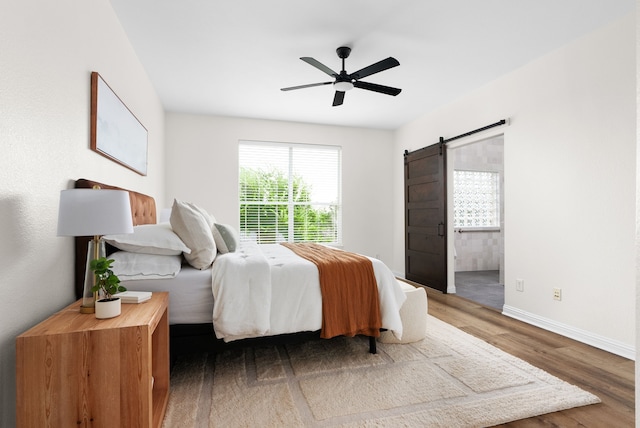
[(107, 284)]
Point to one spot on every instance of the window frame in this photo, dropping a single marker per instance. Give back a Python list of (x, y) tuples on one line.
[(291, 204)]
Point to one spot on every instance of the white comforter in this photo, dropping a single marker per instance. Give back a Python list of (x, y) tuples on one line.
[(264, 290)]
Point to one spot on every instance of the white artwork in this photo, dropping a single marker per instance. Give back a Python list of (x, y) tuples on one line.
[(115, 132)]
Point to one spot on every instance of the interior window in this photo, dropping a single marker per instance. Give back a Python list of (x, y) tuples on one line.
[(476, 199), (290, 192)]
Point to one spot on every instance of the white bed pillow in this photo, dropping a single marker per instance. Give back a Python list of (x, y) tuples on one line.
[(209, 218), (134, 266), (226, 238), (157, 239), (193, 228)]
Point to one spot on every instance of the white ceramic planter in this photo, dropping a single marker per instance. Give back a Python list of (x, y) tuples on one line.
[(108, 308)]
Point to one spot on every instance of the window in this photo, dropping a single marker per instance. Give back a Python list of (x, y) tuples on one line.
[(476, 199), (290, 193)]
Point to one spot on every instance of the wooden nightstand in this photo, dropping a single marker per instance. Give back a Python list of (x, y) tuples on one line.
[(74, 370)]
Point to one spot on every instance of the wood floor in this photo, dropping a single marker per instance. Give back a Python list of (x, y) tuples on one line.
[(606, 375)]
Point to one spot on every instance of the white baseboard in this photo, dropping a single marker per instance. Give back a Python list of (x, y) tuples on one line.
[(601, 342)]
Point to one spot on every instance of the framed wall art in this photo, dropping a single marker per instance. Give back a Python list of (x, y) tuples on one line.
[(115, 131)]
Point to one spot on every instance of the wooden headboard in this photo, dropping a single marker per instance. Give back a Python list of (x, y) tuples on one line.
[(143, 211)]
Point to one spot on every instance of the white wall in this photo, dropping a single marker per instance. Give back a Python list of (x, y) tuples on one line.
[(569, 158), (47, 52), (203, 169), (637, 234)]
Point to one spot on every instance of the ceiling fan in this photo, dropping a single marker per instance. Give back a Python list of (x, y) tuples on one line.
[(344, 82)]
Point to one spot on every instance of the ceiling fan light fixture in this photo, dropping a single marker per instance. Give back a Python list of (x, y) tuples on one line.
[(343, 86)]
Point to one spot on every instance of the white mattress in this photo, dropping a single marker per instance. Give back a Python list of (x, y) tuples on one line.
[(190, 296)]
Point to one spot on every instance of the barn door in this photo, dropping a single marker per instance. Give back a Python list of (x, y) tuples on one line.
[(425, 216)]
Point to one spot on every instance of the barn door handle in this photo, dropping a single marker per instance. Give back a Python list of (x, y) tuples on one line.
[(440, 229)]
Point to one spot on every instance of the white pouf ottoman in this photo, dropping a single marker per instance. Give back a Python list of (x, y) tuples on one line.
[(413, 314)]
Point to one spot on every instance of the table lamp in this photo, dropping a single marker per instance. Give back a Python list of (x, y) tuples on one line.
[(93, 212)]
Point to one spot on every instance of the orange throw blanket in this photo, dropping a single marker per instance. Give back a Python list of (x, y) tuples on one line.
[(350, 303)]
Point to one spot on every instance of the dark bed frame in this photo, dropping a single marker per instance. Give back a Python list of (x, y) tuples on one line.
[(184, 338)]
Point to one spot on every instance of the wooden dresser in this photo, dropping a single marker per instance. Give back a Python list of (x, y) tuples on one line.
[(74, 370)]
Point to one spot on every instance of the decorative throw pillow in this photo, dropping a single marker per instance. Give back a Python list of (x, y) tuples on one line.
[(210, 219), (194, 230), (133, 266), (226, 238), (149, 239)]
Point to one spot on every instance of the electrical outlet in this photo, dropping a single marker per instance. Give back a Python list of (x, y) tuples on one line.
[(557, 294), (519, 284)]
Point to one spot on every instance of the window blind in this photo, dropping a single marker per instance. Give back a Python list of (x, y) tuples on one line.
[(290, 192)]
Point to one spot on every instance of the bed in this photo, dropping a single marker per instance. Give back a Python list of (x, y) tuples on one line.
[(270, 293)]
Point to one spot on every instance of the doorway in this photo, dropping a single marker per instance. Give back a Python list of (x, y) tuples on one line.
[(476, 220)]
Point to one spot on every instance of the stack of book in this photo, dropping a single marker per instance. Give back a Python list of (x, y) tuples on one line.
[(134, 296)]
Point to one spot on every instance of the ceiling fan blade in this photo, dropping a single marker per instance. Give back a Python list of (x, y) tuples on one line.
[(379, 66), (320, 66), (338, 99), (310, 85), (377, 88)]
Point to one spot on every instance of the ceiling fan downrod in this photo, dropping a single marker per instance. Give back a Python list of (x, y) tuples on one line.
[(343, 81)]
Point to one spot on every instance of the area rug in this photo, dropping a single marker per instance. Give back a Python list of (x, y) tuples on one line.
[(449, 379)]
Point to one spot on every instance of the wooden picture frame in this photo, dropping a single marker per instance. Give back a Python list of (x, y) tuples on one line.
[(115, 131)]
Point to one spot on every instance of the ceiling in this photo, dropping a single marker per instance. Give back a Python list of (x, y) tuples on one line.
[(230, 58)]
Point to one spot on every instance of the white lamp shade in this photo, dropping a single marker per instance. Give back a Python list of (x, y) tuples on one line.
[(93, 212)]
